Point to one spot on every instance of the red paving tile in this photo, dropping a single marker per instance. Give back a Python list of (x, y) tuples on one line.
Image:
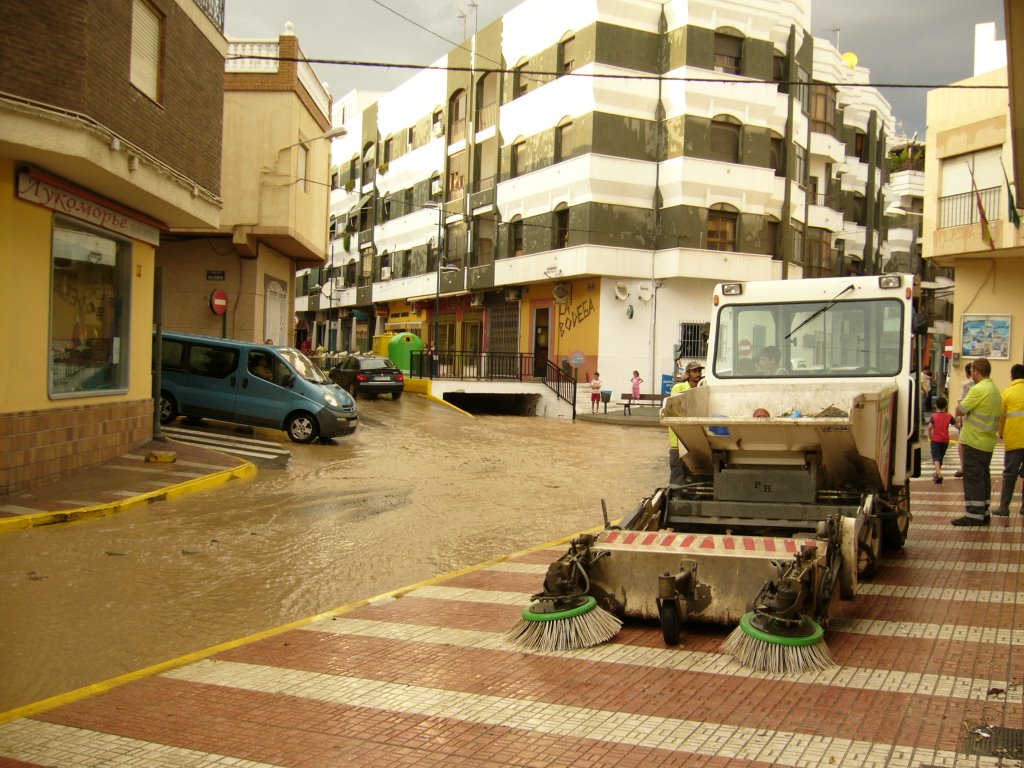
[(428, 680)]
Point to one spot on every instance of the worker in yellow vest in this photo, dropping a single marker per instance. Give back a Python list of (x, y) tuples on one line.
[(981, 410), (1011, 429), (677, 471)]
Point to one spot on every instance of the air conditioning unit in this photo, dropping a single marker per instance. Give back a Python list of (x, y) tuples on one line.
[(476, 300), (438, 129), (561, 293), (512, 294), (385, 273), (435, 187)]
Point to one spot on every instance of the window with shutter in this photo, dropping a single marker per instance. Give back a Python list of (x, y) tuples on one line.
[(147, 43)]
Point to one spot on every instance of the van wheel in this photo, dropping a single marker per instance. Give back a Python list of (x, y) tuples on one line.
[(302, 428), (168, 408)]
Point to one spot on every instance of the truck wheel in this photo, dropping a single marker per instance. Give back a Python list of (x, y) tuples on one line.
[(168, 408), (894, 529), (302, 428), (669, 613)]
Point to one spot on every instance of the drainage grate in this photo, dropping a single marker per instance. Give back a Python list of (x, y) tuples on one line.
[(991, 741)]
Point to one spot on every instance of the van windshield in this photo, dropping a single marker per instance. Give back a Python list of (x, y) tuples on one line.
[(303, 365)]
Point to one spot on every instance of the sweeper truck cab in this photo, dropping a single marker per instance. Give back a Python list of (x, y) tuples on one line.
[(800, 445)]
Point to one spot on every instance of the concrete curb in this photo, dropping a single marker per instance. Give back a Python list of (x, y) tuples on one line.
[(41, 519)]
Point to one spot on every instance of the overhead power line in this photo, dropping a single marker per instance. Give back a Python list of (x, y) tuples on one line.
[(602, 75)]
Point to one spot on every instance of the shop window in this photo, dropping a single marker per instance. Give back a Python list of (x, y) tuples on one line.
[(88, 311)]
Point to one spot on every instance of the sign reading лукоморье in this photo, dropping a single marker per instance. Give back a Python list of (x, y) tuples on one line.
[(33, 187)]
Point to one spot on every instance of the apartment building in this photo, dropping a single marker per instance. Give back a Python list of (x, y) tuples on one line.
[(110, 137), (968, 215), (237, 279), (572, 180)]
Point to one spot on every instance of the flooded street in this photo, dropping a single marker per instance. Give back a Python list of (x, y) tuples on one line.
[(420, 490)]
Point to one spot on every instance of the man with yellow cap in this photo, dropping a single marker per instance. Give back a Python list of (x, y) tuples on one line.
[(677, 471)]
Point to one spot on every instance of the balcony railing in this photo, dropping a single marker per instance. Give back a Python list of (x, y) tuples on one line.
[(214, 10), (962, 210)]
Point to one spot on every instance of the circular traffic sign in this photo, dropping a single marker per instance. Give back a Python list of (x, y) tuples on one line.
[(576, 359), (745, 348), (219, 302)]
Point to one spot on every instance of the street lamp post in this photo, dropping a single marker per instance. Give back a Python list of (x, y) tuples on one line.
[(437, 294)]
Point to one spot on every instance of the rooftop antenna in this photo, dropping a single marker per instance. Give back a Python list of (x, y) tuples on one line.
[(836, 31), (462, 15)]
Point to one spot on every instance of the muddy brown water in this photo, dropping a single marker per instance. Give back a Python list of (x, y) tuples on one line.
[(420, 490)]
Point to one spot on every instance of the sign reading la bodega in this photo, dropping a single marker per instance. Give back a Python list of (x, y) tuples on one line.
[(62, 197)]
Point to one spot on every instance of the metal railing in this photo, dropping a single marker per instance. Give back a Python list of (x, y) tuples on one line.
[(214, 10), (494, 366), (962, 210)]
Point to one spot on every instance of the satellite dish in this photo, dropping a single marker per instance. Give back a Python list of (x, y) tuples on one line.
[(850, 59), (621, 291)]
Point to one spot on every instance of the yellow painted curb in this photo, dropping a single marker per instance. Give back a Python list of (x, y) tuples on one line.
[(248, 469), (106, 685)]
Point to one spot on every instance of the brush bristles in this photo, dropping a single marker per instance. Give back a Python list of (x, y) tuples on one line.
[(763, 656), (588, 629)]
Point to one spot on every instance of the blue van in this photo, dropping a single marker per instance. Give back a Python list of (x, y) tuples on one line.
[(255, 384)]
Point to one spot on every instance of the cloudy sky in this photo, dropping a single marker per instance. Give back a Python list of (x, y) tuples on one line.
[(907, 42)]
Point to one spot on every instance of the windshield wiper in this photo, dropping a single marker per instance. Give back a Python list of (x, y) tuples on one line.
[(821, 311)]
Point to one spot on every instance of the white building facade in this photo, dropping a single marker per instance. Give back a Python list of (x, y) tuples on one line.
[(570, 183)]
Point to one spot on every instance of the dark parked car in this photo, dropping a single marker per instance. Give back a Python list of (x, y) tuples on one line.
[(369, 375)]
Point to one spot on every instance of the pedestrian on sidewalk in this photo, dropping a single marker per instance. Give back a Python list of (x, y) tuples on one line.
[(938, 434), (1011, 429), (959, 421), (595, 392), (636, 381), (980, 412)]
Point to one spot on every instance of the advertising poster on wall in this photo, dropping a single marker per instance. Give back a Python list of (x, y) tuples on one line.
[(986, 336)]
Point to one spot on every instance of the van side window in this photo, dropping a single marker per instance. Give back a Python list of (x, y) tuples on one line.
[(261, 364), (172, 355), (217, 362)]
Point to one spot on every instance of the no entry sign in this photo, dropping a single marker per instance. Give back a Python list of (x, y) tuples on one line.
[(219, 302)]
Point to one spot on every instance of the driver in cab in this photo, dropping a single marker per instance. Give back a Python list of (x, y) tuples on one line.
[(768, 362)]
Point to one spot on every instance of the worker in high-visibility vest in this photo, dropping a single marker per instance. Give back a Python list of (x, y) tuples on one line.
[(1011, 429), (981, 410), (677, 471)]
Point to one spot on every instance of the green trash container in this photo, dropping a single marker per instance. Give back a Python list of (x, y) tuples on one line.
[(400, 350)]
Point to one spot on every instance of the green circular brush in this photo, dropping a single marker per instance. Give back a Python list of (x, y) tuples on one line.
[(786, 647), (564, 624)]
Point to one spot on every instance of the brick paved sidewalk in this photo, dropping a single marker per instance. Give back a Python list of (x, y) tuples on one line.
[(929, 651), (121, 483)]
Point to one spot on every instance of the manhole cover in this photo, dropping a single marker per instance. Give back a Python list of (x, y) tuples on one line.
[(991, 741)]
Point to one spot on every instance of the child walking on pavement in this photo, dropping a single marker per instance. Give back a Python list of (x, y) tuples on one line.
[(938, 433), (636, 381)]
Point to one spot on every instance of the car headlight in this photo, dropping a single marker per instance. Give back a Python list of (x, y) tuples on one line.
[(330, 399)]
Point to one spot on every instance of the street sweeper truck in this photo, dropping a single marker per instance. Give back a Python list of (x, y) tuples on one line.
[(800, 444)]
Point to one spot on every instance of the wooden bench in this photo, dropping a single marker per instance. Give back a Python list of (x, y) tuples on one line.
[(627, 401)]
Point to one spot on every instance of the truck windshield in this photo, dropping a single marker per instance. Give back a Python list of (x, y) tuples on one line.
[(810, 339), (303, 366)]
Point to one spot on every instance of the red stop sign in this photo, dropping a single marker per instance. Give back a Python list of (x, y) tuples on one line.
[(219, 302)]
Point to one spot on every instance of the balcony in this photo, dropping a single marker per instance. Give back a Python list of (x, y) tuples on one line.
[(214, 10), (962, 210)]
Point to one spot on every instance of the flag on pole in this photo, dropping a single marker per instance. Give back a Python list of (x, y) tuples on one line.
[(1012, 211), (986, 231)]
